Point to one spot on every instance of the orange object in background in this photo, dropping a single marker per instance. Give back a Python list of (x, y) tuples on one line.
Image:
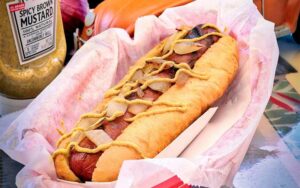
[(123, 14), (282, 12)]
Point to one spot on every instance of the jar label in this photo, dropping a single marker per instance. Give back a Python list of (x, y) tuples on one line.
[(33, 23)]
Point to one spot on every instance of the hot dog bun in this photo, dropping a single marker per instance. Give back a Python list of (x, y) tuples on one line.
[(61, 162), (152, 133)]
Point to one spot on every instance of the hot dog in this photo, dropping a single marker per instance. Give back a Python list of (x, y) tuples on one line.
[(182, 76)]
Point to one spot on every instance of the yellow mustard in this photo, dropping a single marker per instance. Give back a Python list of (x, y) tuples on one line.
[(183, 68), (103, 147), (32, 46)]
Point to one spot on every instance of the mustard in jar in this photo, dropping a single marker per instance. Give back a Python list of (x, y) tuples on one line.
[(32, 46)]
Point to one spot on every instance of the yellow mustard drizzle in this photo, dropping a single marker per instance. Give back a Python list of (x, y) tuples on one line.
[(172, 80), (96, 124), (61, 132), (116, 90), (180, 35), (102, 147), (171, 107), (170, 64), (212, 26), (148, 103), (200, 38), (93, 115), (184, 40), (114, 116), (87, 115), (62, 128), (130, 84), (159, 111), (91, 127), (130, 92), (67, 135), (161, 68), (111, 92)]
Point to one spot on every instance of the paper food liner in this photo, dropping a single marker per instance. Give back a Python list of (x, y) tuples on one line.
[(214, 156)]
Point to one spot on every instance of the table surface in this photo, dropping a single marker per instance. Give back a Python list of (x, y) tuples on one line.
[(268, 161), (273, 157)]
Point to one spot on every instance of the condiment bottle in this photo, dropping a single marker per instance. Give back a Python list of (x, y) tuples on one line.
[(32, 46)]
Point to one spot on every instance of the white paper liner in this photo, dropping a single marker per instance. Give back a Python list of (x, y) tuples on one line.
[(212, 159)]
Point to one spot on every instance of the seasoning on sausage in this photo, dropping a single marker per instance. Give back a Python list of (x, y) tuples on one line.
[(83, 164)]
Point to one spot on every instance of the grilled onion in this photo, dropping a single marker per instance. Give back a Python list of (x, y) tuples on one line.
[(138, 75), (140, 92), (186, 47), (98, 136), (168, 43), (124, 90), (113, 107), (160, 85), (77, 136), (182, 78), (137, 108)]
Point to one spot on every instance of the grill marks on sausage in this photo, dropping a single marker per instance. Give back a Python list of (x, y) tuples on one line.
[(191, 58), (115, 128), (148, 93), (83, 164)]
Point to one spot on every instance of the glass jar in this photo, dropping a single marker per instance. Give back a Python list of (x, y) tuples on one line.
[(32, 46)]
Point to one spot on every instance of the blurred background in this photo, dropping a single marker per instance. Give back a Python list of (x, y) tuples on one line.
[(273, 158)]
